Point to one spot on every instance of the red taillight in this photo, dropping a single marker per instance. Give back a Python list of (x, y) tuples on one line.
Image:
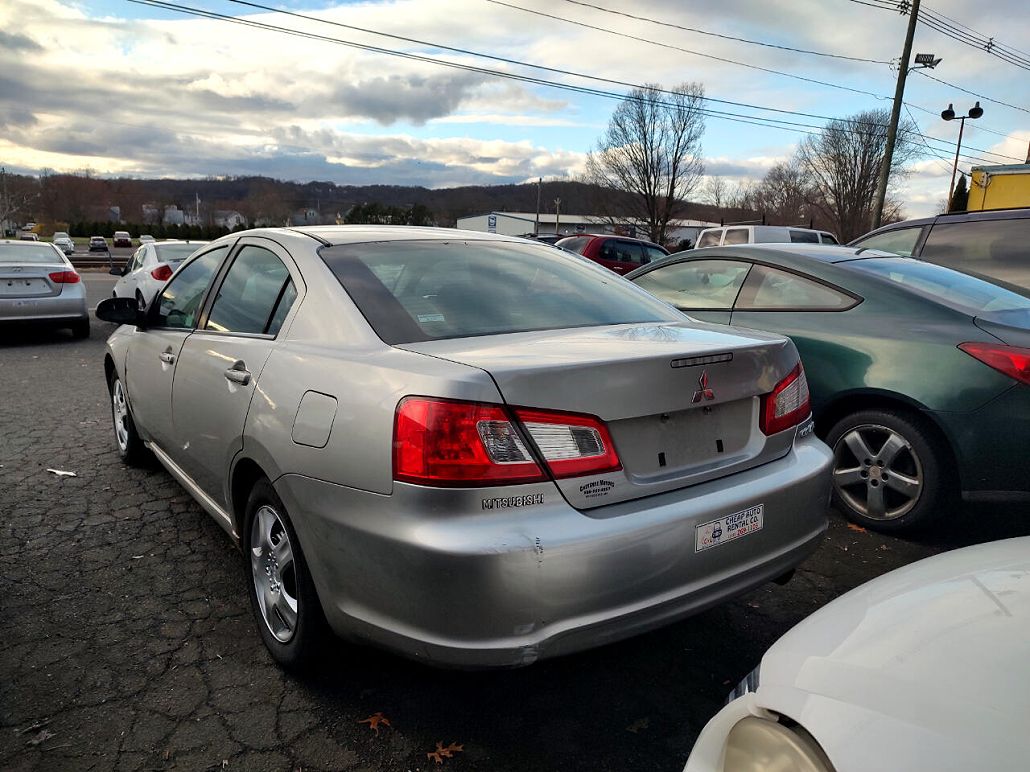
[(449, 443), (162, 273), (1013, 361), (572, 444), (787, 405), (65, 277), (438, 442)]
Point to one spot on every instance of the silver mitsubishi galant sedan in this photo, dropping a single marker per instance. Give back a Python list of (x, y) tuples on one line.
[(470, 449)]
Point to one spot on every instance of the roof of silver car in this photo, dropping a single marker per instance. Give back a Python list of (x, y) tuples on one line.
[(827, 253), (357, 234)]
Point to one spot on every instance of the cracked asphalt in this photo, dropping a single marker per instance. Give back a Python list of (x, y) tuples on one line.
[(129, 642)]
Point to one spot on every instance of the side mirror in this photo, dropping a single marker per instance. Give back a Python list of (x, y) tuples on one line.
[(121, 311), (116, 271)]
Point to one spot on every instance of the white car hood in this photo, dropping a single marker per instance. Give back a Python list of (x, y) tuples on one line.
[(934, 654)]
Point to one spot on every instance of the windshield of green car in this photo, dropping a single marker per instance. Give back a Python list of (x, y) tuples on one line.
[(954, 289)]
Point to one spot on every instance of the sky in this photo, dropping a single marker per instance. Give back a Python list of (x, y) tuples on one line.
[(122, 88)]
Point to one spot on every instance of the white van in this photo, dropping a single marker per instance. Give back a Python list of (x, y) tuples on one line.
[(762, 234)]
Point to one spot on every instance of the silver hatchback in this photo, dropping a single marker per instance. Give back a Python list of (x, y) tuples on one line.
[(470, 449)]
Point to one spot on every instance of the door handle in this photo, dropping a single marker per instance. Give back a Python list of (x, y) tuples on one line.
[(238, 376), (167, 357)]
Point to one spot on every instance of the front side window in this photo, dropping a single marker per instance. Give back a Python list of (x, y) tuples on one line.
[(575, 244), (249, 295), (412, 291), (901, 241), (804, 237), (178, 305), (709, 239), (828, 238), (653, 253), (772, 289), (697, 284)]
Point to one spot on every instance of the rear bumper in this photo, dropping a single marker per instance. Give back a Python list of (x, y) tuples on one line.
[(434, 575), (991, 445), (69, 306)]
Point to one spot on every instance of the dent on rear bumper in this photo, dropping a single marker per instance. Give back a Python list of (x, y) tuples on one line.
[(432, 574)]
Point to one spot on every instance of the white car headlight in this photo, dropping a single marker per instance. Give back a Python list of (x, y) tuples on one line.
[(760, 745)]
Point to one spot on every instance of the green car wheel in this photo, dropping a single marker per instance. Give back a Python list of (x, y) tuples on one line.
[(889, 470)]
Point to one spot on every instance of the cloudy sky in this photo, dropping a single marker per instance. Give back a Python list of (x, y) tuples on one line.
[(129, 89)]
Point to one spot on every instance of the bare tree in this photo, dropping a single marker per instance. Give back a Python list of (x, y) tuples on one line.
[(843, 161), (785, 195), (652, 151), (716, 191)]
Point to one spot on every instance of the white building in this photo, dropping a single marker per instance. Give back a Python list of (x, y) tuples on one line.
[(522, 224)]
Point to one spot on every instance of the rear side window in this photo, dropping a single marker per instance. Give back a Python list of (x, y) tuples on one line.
[(770, 289), (412, 291), (804, 237), (736, 236), (977, 245), (901, 241), (622, 251), (250, 293), (696, 284), (709, 239), (954, 289)]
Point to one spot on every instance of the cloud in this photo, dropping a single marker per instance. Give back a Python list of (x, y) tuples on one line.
[(12, 41)]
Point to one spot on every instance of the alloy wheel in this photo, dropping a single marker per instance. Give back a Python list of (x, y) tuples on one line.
[(274, 573), (877, 472), (120, 411)]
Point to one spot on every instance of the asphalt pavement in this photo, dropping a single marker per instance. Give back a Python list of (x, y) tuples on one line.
[(129, 642)]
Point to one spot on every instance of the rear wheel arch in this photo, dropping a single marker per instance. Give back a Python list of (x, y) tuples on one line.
[(245, 475)]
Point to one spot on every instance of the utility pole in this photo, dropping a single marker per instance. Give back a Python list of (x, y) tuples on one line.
[(892, 129), (536, 222), (198, 207), (557, 216)]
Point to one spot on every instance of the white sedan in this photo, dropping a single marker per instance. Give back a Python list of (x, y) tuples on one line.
[(922, 669), (150, 267)]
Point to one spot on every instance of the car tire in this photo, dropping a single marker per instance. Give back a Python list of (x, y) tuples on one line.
[(80, 330), (283, 597), (130, 447), (890, 470)]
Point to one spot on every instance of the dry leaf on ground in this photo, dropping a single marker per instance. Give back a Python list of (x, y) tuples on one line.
[(375, 720), (442, 752), (856, 527)]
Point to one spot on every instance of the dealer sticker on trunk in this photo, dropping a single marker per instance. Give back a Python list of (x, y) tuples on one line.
[(728, 528)]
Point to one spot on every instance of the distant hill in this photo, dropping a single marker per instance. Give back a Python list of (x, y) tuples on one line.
[(65, 197)]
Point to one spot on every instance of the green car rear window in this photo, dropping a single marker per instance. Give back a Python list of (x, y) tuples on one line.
[(412, 291), (954, 289)]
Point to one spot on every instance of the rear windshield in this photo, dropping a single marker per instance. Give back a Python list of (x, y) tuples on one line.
[(167, 253), (413, 291), (957, 290), (29, 253)]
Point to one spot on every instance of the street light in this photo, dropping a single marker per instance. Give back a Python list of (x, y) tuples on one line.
[(949, 115)]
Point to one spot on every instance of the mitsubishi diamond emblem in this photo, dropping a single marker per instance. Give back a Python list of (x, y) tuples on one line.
[(704, 392)]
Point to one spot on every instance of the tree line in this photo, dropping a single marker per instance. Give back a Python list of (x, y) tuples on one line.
[(158, 230), (652, 152)]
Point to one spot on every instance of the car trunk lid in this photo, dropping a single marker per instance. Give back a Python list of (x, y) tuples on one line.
[(29, 280), (680, 400)]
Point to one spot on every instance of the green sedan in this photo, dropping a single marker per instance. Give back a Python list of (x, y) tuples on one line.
[(919, 375)]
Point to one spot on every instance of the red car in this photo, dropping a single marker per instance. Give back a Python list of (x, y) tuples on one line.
[(619, 253)]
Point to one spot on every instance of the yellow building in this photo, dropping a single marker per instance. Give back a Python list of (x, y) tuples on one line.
[(999, 187)]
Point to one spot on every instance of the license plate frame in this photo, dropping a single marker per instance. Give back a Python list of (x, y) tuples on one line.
[(722, 530)]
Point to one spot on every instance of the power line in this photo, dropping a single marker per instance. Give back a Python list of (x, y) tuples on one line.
[(766, 44), (973, 93), (685, 50), (756, 120), (1000, 45)]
